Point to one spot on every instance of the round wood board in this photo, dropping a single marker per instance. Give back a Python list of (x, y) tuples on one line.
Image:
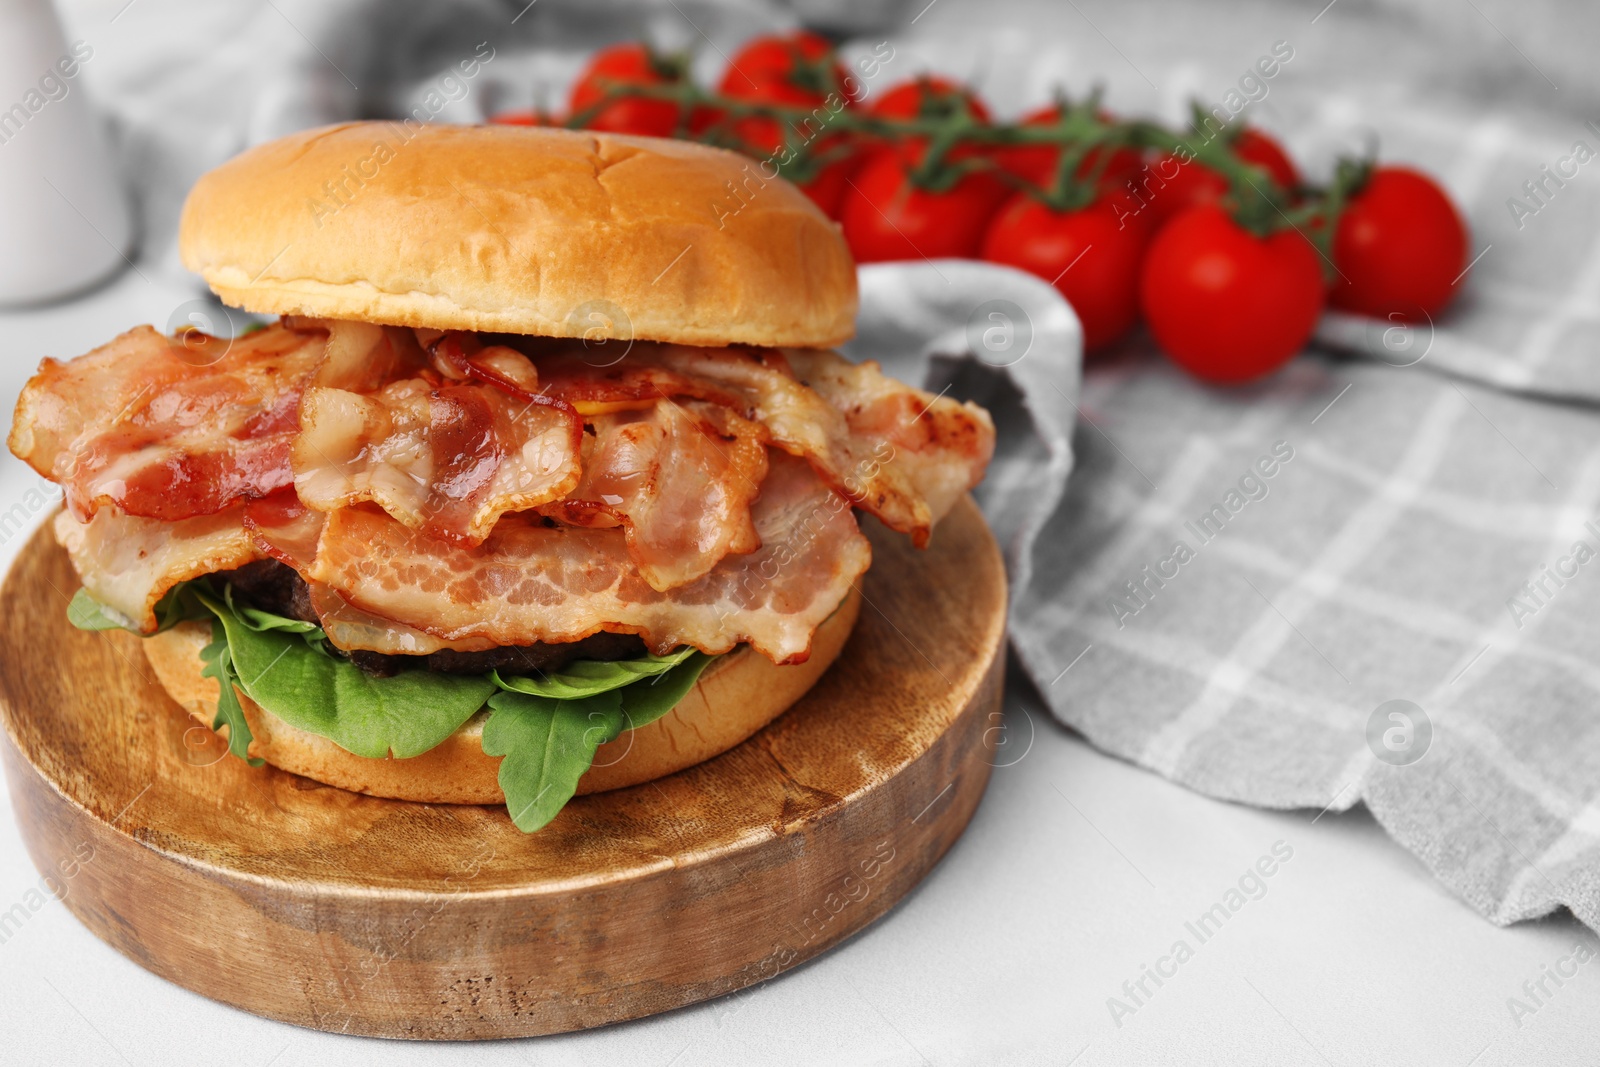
[(343, 912)]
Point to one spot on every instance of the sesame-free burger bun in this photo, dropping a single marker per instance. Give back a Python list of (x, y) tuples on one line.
[(737, 695), (557, 233)]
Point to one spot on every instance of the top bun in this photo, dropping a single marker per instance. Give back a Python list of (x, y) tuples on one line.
[(559, 233)]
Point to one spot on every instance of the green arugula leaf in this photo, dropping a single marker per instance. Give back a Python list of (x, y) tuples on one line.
[(587, 678), (230, 712), (548, 743), (645, 702), (546, 728), (406, 714), (260, 620)]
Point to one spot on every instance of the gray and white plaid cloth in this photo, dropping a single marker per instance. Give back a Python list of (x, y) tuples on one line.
[(1419, 525), (1234, 586)]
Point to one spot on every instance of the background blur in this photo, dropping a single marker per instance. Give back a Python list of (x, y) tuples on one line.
[(188, 85)]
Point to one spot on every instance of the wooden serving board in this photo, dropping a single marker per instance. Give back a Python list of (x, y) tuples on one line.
[(344, 912)]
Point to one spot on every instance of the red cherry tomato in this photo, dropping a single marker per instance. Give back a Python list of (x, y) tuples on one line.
[(927, 97), (1128, 210), (828, 188), (886, 217), (930, 96), (763, 141), (795, 69), (831, 183), (1225, 304), (1037, 163), (629, 64), (1176, 186), (1091, 256), (1253, 146), (1400, 246), (786, 68)]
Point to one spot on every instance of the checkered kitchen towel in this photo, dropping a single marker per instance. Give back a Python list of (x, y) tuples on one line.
[(1234, 585), (1239, 582), (1375, 577)]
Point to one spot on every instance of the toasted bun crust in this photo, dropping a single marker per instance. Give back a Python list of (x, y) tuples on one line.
[(558, 233), (736, 696)]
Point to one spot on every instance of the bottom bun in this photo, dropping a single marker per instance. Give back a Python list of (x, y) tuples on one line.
[(737, 695)]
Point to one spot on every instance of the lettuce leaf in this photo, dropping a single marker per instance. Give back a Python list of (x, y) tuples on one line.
[(548, 743)]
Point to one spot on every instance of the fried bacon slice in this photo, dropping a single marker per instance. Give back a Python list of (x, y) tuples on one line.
[(445, 458), (286, 530), (168, 428), (362, 357), (128, 562), (535, 581), (935, 448), (898, 452), (455, 491), (679, 477)]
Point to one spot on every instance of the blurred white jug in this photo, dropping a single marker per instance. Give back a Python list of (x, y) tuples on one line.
[(64, 222)]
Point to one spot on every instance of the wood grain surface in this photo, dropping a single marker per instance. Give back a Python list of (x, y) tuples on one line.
[(343, 912)]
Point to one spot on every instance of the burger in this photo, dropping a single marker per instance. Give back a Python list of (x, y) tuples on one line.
[(539, 478)]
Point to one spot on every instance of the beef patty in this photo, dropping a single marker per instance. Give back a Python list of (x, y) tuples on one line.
[(271, 586)]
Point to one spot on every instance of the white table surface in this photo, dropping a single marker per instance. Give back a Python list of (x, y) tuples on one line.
[(1077, 872)]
